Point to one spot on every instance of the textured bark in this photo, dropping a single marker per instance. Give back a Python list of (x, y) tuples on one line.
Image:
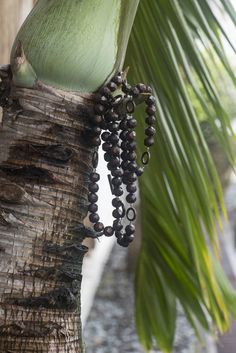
[(45, 160)]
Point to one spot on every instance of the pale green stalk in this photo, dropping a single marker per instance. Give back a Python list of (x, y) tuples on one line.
[(76, 45)]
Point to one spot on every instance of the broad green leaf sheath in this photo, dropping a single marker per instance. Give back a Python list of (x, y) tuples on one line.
[(76, 45)]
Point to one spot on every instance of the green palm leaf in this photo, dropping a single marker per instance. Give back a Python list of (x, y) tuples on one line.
[(181, 194)]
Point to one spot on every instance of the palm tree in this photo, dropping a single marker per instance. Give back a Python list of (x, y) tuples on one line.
[(62, 54)]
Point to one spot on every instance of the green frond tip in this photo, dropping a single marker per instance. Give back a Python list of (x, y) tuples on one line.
[(23, 73), (181, 195), (158, 318)]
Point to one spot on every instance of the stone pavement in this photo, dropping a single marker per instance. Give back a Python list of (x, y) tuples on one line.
[(110, 326), (227, 343)]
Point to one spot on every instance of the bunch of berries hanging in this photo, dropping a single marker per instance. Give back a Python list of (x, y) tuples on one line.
[(113, 123)]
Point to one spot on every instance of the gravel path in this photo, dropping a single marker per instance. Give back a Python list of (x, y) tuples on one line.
[(110, 327)]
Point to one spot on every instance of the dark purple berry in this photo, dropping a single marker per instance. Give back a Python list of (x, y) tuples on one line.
[(117, 225), (114, 138), (132, 177), (139, 171), (94, 177), (130, 229), (105, 91), (135, 92), (92, 197), (132, 167), (93, 187), (115, 151), (132, 146), (114, 163), (128, 238), (150, 120), (117, 213), (150, 110), (94, 217), (116, 202), (105, 135), (123, 125), (124, 155), (131, 135), (117, 79), (98, 227), (118, 191), (112, 86), (132, 188), (117, 172), (112, 116), (114, 127), (93, 208), (123, 135), (106, 146), (132, 156), (131, 198), (148, 141), (141, 87), (124, 145), (108, 231), (103, 100), (107, 157), (150, 131), (122, 241), (150, 100), (117, 181), (132, 123), (124, 165)]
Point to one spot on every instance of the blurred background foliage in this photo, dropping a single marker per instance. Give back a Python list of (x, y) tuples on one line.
[(176, 45)]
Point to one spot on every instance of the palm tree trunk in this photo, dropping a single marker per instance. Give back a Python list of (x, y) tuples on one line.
[(44, 167), (45, 161)]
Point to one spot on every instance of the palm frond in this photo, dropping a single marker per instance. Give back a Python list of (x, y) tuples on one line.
[(181, 194)]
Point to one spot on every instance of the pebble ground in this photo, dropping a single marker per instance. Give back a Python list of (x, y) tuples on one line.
[(110, 327)]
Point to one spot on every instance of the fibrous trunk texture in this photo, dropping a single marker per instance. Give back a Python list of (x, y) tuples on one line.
[(45, 161)]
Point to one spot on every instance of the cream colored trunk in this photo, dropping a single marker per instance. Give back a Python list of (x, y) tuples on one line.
[(45, 162)]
